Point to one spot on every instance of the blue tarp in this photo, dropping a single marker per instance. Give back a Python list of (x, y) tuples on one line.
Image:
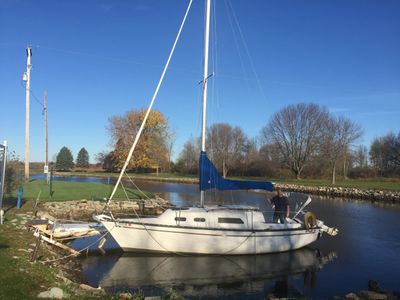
[(210, 179)]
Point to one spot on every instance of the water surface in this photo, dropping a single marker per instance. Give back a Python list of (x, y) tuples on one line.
[(367, 247)]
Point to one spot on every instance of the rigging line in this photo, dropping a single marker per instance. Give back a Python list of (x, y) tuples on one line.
[(130, 179), (151, 104), (213, 43), (247, 50), (111, 59), (169, 251), (237, 46), (145, 227), (33, 94)]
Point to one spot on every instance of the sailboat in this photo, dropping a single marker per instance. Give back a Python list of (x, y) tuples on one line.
[(213, 230)]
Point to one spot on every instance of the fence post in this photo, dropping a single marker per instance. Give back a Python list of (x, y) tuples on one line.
[(20, 192)]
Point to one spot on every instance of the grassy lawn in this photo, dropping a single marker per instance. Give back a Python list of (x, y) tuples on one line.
[(110, 174), (392, 184), (64, 190), (20, 279)]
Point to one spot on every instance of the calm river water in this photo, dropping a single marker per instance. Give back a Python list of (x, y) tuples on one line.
[(367, 247)]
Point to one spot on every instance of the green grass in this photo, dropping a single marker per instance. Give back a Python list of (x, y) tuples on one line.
[(64, 190), (111, 174), (19, 279)]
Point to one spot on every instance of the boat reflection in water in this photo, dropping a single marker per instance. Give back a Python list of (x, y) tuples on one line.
[(207, 276)]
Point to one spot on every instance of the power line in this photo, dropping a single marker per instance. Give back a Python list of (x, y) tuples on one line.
[(33, 94)]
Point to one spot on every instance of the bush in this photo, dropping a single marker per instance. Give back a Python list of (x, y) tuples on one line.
[(362, 173), (11, 181)]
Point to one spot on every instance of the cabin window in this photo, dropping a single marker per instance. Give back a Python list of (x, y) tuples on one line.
[(230, 220), (199, 219), (180, 219)]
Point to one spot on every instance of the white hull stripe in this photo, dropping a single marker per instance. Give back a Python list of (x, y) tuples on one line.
[(118, 224), (223, 235)]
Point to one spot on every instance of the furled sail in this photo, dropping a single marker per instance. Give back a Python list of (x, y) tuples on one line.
[(210, 179)]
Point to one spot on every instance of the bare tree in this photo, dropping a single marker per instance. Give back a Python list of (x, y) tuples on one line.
[(251, 162), (270, 158), (296, 130), (361, 156), (227, 145), (169, 142), (189, 157), (340, 135), (385, 154)]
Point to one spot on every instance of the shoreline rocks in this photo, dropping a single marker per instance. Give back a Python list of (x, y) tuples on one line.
[(85, 209), (351, 193)]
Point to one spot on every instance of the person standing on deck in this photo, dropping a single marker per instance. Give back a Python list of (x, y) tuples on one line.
[(281, 205)]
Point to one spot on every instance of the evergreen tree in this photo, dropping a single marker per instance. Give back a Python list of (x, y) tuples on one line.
[(64, 160), (82, 161)]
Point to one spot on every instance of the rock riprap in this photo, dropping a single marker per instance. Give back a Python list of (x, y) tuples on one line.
[(85, 209)]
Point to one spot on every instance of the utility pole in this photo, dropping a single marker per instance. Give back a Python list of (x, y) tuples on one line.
[(3, 149), (46, 137), (27, 78)]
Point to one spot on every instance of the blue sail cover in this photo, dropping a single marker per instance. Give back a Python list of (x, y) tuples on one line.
[(210, 179)]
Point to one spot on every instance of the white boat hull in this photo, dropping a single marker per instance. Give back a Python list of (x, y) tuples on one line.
[(169, 239)]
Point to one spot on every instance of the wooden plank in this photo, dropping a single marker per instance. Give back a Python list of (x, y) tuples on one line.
[(58, 244)]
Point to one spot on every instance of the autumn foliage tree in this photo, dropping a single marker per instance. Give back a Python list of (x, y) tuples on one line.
[(152, 148)]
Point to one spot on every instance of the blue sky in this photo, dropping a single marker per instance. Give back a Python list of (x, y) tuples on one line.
[(101, 58)]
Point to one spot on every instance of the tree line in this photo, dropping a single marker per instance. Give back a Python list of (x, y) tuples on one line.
[(300, 140), (65, 160)]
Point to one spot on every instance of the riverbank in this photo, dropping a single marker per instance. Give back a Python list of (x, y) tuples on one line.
[(380, 191), (54, 273), (22, 278)]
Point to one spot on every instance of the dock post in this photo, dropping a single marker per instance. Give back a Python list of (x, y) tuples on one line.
[(35, 252)]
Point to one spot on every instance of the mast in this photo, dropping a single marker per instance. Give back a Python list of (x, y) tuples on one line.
[(205, 77)]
